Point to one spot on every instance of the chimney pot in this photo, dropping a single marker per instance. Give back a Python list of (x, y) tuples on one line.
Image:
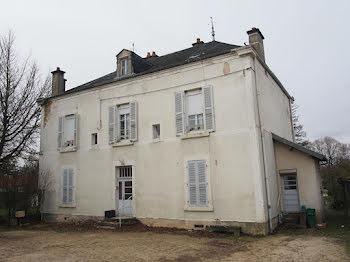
[(198, 40), (153, 53), (256, 40)]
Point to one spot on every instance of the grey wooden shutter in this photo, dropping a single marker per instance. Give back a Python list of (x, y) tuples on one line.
[(70, 185), (65, 186), (179, 113), (75, 130), (208, 108), (60, 132), (192, 182), (111, 124), (133, 121), (202, 183)]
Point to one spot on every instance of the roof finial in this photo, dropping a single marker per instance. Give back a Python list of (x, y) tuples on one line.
[(212, 29), (133, 47)]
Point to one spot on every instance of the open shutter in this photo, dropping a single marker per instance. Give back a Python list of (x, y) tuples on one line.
[(65, 186), (192, 182), (70, 185), (202, 183), (75, 130), (208, 108), (111, 124), (60, 132), (179, 113), (133, 121)]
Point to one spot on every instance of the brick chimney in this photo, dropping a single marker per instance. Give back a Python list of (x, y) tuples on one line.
[(256, 40), (58, 82)]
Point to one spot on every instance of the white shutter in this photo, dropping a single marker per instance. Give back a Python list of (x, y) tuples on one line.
[(192, 182), (179, 113), (208, 108), (65, 186), (133, 121), (202, 183), (75, 130), (60, 132), (111, 124), (70, 185)]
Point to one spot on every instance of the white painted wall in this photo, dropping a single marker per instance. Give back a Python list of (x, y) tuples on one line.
[(232, 151)]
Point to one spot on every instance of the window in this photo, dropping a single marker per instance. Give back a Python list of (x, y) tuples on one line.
[(197, 183), (68, 180), (156, 131), (194, 111), (122, 122), (94, 139), (67, 131), (124, 66)]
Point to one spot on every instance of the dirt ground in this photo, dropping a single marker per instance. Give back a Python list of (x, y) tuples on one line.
[(53, 246)]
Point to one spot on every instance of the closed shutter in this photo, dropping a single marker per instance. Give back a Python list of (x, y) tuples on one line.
[(60, 132), (65, 186), (208, 108), (202, 183), (70, 185), (111, 124), (179, 113), (197, 183), (75, 130), (192, 182), (133, 121)]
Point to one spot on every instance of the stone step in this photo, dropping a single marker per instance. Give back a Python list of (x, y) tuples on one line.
[(114, 222)]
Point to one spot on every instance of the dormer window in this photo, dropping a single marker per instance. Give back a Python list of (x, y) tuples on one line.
[(124, 67)]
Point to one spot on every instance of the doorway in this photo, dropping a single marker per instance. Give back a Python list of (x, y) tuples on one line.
[(290, 193), (124, 196)]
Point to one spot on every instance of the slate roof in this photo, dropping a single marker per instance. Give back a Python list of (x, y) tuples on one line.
[(299, 147), (152, 64)]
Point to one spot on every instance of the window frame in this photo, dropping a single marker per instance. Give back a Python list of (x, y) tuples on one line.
[(62, 136), (69, 187), (196, 128), (126, 122), (124, 66)]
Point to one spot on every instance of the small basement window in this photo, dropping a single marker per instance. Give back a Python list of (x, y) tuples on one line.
[(156, 131), (94, 139)]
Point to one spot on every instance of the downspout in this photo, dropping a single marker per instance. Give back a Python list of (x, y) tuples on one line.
[(268, 204)]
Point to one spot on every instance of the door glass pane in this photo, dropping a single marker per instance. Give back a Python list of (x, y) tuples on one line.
[(128, 183), (127, 196), (128, 190), (120, 190)]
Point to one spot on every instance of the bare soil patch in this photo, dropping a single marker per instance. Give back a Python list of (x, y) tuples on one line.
[(170, 246)]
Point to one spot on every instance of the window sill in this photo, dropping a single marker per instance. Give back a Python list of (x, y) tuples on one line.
[(68, 149), (195, 134), (72, 205), (208, 208), (123, 143)]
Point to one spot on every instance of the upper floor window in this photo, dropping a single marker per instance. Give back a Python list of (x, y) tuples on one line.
[(122, 122), (124, 66), (194, 110), (67, 131)]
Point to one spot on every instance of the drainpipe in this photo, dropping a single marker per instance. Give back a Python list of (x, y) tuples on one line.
[(268, 204)]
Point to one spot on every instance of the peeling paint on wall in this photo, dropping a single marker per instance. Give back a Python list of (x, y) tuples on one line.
[(47, 110)]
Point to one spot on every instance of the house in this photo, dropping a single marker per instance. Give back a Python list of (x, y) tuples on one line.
[(203, 136)]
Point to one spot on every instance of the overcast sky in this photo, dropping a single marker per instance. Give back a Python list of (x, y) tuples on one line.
[(306, 42)]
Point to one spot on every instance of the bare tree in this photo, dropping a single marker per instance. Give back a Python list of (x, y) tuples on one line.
[(300, 134), (20, 87)]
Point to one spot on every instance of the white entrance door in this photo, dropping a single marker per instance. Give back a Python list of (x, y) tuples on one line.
[(124, 191), (290, 193)]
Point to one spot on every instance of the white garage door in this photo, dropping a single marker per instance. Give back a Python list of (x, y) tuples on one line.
[(290, 193)]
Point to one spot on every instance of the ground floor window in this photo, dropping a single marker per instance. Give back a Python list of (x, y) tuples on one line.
[(197, 183), (68, 186)]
